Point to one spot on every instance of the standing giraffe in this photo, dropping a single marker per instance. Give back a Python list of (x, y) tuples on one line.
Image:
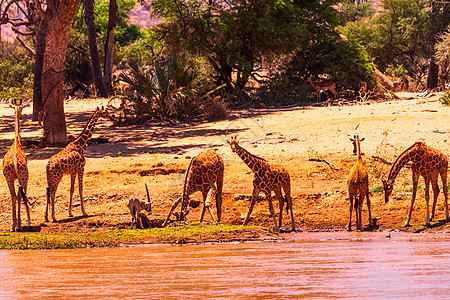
[(358, 186), (268, 178), (204, 170), (428, 163), (15, 167), (71, 161)]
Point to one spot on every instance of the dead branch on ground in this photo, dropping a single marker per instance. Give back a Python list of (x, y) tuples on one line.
[(331, 165)]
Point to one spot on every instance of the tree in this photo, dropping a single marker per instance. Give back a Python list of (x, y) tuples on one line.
[(92, 36), (59, 17), (109, 44), (238, 35)]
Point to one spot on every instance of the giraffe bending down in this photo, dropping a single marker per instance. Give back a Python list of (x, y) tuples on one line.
[(15, 167), (71, 161), (268, 178), (204, 170), (358, 186), (428, 163)]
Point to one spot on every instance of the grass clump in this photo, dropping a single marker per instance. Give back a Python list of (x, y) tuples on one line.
[(180, 235)]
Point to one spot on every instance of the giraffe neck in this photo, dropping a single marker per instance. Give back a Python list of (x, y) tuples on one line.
[(17, 137), (401, 161), (358, 150), (252, 161), (85, 136)]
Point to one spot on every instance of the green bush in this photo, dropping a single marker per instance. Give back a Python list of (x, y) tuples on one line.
[(445, 99), (343, 61), (284, 90), (173, 88), (16, 75)]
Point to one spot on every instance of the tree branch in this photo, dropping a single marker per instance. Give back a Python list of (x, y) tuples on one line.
[(331, 165), (26, 46), (40, 11)]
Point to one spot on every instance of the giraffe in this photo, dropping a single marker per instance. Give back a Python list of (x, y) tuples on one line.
[(71, 161), (15, 167), (204, 170), (428, 163), (268, 178), (358, 186)]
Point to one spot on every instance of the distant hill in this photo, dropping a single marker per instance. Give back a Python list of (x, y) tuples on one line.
[(141, 16)]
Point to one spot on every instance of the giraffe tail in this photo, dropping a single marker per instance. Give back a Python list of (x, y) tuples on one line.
[(24, 197)]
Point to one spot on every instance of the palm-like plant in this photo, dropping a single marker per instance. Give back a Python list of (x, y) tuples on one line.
[(172, 89)]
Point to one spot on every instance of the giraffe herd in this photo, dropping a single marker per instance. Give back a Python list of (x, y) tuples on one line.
[(206, 172)]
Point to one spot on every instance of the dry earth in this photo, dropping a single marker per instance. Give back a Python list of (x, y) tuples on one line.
[(159, 155)]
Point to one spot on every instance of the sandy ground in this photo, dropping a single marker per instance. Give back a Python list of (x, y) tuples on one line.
[(159, 155)]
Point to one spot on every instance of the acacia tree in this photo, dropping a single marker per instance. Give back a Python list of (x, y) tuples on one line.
[(238, 34)]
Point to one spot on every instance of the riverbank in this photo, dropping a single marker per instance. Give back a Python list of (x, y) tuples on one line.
[(159, 156)]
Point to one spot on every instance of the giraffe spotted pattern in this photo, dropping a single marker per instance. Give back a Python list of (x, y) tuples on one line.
[(71, 161), (268, 178), (427, 162), (205, 170), (15, 168)]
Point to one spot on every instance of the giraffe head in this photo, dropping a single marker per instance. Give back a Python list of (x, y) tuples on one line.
[(388, 186), (17, 105), (356, 140), (233, 142), (103, 113)]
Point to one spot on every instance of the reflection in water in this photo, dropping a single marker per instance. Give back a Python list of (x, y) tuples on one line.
[(334, 265)]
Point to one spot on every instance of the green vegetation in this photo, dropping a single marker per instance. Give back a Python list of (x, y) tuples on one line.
[(172, 89), (377, 189), (16, 72), (261, 51), (182, 234)]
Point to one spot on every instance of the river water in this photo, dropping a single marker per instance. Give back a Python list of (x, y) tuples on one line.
[(321, 265)]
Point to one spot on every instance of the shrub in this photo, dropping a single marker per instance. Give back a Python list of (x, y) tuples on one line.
[(445, 99), (173, 88), (16, 75), (215, 109)]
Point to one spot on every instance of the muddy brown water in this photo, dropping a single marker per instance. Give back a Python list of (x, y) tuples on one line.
[(321, 265)]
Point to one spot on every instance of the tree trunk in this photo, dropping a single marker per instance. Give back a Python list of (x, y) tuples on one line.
[(109, 45), (59, 16), (41, 32), (95, 61), (433, 75)]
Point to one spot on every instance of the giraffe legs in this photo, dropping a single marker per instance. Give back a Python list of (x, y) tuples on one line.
[(279, 196), (174, 205), (287, 192), (435, 187), (358, 209), (368, 208), (415, 183), (427, 199), (252, 203), (13, 205), (349, 227), (72, 189), (80, 188), (444, 188), (207, 195), (272, 212), (219, 196)]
